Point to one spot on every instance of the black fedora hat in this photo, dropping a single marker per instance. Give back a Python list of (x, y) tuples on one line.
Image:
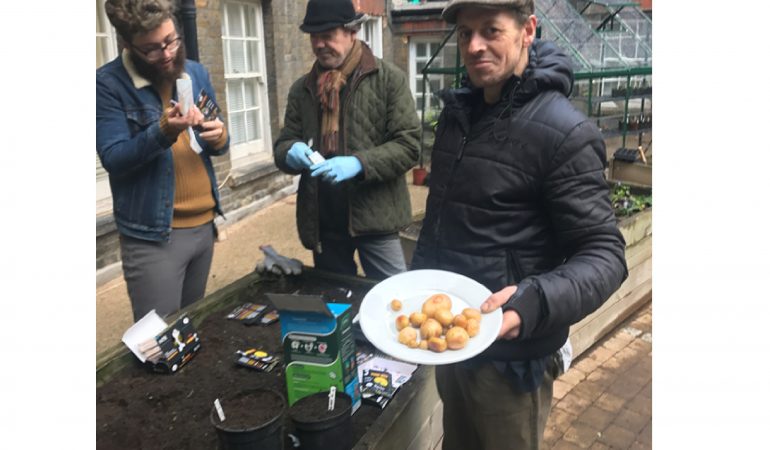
[(322, 15)]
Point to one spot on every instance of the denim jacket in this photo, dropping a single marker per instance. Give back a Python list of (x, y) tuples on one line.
[(134, 151)]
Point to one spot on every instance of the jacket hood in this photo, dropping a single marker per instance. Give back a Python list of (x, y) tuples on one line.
[(549, 69)]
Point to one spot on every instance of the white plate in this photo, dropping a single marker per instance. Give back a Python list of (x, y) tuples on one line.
[(378, 320)]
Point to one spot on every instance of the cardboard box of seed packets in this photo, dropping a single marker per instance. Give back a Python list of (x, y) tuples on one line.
[(318, 346), (161, 347)]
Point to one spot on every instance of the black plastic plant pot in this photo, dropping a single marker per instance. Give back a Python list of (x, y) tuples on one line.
[(320, 429), (253, 420)]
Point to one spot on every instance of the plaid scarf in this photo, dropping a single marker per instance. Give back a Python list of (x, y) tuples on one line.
[(329, 83)]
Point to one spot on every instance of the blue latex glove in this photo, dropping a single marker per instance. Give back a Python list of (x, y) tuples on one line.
[(339, 168), (297, 157)]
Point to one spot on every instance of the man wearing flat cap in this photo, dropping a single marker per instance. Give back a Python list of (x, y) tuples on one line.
[(357, 112), (518, 201)]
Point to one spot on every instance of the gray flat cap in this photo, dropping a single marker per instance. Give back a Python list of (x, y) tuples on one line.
[(449, 14)]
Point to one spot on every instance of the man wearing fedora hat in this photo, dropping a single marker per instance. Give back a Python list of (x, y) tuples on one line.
[(357, 112), (518, 201)]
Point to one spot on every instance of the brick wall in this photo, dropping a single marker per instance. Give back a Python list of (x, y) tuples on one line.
[(371, 7), (400, 50), (288, 53), (388, 47)]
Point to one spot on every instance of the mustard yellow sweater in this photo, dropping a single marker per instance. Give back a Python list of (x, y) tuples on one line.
[(193, 198)]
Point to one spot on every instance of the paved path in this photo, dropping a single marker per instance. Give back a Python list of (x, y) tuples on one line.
[(604, 401)]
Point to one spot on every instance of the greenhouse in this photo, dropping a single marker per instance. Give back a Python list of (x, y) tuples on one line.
[(610, 45)]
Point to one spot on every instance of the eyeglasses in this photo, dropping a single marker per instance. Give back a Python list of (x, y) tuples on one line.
[(158, 52)]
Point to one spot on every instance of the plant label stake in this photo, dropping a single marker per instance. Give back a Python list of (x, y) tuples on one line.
[(220, 412), (332, 397)]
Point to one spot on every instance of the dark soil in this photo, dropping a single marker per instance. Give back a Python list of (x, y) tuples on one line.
[(137, 409), (251, 409), (315, 408)]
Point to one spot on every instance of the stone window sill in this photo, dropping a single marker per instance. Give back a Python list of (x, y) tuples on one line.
[(251, 172)]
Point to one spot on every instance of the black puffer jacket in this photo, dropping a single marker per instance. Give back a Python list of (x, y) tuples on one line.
[(518, 196)]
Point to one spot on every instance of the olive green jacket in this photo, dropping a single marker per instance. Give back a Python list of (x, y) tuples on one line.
[(379, 126)]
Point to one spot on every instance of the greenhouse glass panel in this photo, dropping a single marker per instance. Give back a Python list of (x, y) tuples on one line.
[(638, 23), (606, 36)]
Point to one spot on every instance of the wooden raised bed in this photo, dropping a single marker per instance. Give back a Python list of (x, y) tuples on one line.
[(137, 409), (635, 292), (633, 173), (411, 421)]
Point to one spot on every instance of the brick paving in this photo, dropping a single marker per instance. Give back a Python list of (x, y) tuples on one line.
[(604, 401)]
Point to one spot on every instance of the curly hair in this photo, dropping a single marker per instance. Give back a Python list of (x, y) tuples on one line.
[(131, 17)]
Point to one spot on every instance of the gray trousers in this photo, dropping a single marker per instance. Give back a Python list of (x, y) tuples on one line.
[(482, 411), (381, 256), (167, 276)]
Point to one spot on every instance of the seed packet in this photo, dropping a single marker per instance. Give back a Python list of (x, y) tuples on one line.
[(177, 345), (377, 382), (150, 350), (255, 359), (377, 387), (363, 356), (208, 106), (269, 317), (248, 313)]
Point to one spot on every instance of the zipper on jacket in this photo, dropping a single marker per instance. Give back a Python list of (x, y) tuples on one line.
[(446, 193), (460, 153), (514, 267), (318, 248)]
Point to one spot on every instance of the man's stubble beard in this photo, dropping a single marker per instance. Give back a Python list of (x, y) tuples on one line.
[(150, 72)]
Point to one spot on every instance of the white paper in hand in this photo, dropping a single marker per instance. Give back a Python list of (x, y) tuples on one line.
[(184, 94), (193, 141), (316, 158)]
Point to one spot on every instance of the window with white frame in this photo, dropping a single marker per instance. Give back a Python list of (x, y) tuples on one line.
[(106, 44), (420, 52), (246, 82), (371, 33), (106, 51)]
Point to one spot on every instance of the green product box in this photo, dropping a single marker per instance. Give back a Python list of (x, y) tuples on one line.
[(318, 346)]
